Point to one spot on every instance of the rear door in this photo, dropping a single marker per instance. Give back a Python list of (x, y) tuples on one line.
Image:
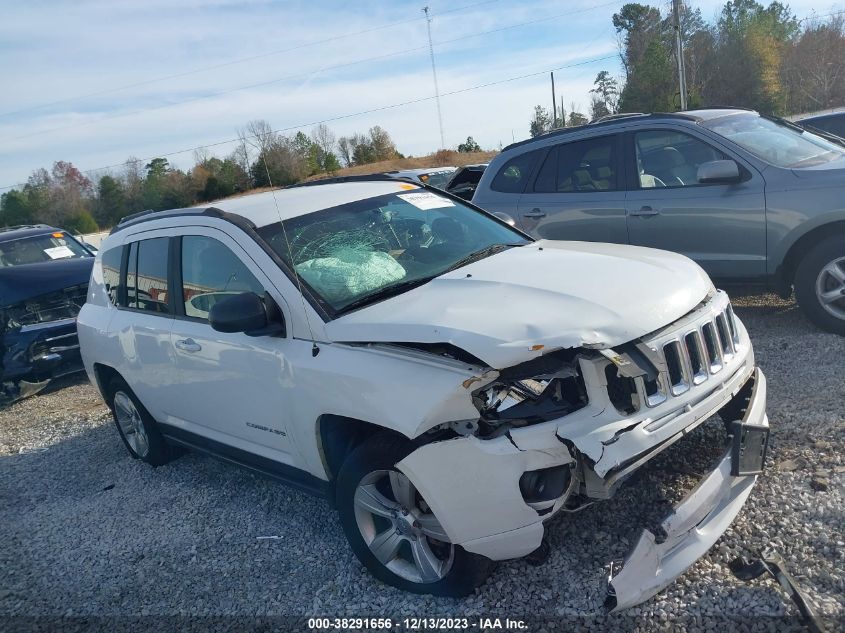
[(578, 193), (720, 226), (141, 324)]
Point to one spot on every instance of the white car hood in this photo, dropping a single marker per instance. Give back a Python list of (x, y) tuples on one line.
[(522, 302)]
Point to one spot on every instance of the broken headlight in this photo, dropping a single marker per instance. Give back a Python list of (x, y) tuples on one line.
[(553, 390)]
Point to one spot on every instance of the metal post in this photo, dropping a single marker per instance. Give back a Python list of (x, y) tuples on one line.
[(434, 73), (554, 102), (679, 52)]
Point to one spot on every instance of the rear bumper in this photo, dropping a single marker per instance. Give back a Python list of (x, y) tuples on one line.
[(692, 528)]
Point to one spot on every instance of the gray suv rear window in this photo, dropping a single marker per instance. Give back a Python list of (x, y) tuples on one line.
[(579, 166), (514, 175)]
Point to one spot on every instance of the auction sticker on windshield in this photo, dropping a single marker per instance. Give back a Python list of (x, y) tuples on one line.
[(58, 252), (426, 200)]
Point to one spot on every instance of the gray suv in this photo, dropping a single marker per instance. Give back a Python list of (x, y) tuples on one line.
[(747, 197)]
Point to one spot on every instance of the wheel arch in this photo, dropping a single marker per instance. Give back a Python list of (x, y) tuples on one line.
[(785, 276), (104, 375), (337, 436)]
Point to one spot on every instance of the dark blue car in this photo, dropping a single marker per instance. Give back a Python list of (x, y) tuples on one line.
[(44, 275)]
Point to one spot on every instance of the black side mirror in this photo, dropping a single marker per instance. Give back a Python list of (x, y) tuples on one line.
[(248, 313), (718, 171)]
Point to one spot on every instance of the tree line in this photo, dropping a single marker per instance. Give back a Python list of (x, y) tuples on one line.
[(65, 197), (752, 56)]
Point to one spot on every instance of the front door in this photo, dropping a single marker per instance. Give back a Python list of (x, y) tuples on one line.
[(720, 226), (578, 194), (232, 388)]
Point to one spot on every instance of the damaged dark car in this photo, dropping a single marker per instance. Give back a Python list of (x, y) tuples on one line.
[(44, 275)]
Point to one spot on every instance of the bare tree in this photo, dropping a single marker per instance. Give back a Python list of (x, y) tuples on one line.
[(324, 138), (201, 155), (346, 149), (259, 134)]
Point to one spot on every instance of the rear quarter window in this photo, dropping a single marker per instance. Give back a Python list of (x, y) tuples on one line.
[(514, 174), (110, 261)]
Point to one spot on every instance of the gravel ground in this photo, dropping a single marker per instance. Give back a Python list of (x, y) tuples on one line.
[(86, 531)]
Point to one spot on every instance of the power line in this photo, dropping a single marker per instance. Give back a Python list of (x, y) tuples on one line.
[(268, 82), (234, 62), (353, 114)]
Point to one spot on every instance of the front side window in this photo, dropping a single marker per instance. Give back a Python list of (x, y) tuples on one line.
[(41, 248), (358, 253), (211, 272), (110, 261), (514, 175), (579, 166), (146, 276), (780, 144), (666, 158)]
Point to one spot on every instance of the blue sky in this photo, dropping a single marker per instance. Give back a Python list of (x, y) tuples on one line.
[(86, 81)]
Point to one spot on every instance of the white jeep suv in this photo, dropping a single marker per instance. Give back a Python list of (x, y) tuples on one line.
[(447, 382)]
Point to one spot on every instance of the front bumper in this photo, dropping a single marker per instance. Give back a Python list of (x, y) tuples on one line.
[(479, 504), (692, 528), (33, 354)]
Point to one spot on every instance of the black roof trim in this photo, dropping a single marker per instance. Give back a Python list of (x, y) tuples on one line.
[(720, 107), (146, 216), (20, 227), (605, 123), (378, 177)]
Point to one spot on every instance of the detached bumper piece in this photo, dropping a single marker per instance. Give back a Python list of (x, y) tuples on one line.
[(770, 562), (703, 515)]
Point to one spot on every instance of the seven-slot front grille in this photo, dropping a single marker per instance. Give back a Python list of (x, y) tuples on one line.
[(691, 355)]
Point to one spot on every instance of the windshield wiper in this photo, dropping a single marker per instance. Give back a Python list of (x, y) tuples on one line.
[(487, 251), (386, 292)]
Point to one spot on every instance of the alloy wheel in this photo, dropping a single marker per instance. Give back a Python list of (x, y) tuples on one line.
[(130, 423), (400, 529), (830, 287)]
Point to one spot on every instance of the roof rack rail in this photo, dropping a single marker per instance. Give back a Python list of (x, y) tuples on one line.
[(379, 177), (719, 107), (616, 117), (18, 227), (150, 214)]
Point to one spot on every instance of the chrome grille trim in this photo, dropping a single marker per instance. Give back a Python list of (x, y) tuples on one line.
[(693, 353)]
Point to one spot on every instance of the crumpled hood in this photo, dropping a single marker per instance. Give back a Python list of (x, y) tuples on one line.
[(32, 280), (548, 293)]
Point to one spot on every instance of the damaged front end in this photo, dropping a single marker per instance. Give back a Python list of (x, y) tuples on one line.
[(38, 341), (566, 429)]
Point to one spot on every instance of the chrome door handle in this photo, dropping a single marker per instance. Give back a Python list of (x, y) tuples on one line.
[(535, 213), (644, 212), (188, 345)]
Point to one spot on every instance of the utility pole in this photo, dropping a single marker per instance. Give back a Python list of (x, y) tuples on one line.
[(679, 52), (434, 73), (554, 102)]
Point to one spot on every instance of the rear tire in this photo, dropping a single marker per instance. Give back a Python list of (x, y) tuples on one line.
[(382, 513), (137, 428), (820, 284)]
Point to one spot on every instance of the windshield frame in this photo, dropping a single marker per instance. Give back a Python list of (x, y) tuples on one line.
[(799, 130), (321, 306)]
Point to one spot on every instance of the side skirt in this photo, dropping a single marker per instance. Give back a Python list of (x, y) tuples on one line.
[(293, 477)]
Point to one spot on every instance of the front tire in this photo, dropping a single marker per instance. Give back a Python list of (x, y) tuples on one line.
[(392, 530), (820, 284), (137, 428)]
